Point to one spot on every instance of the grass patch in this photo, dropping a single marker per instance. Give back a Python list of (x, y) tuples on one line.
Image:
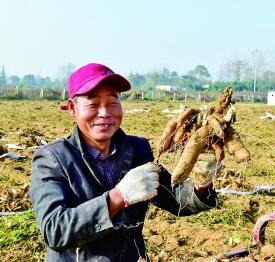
[(6, 180), (17, 228), (230, 213)]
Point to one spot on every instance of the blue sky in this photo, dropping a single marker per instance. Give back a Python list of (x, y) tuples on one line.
[(39, 36)]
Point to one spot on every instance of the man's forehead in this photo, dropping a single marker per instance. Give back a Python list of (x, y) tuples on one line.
[(106, 90)]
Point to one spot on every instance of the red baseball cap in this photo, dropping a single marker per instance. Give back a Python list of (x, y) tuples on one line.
[(88, 77)]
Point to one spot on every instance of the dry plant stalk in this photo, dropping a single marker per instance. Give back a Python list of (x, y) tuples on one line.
[(199, 131)]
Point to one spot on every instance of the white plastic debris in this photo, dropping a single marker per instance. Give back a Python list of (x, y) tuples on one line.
[(4, 139), (41, 140), (32, 147), (12, 213), (17, 132), (170, 115), (135, 110), (14, 146), (256, 190), (268, 116), (175, 111), (12, 156)]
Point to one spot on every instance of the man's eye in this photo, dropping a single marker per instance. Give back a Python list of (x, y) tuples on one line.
[(92, 105)]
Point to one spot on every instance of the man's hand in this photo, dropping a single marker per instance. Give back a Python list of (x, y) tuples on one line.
[(202, 190), (139, 184), (204, 173)]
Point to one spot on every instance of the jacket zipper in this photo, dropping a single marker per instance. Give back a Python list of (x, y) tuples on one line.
[(77, 254)]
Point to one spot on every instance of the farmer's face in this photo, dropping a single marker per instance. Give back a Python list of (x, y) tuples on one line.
[(98, 114)]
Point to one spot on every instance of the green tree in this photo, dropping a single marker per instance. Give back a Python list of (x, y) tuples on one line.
[(174, 78), (238, 70), (268, 82), (13, 80), (201, 73), (188, 82), (165, 76), (152, 79), (3, 79), (63, 73), (48, 82), (39, 81), (29, 80), (137, 80)]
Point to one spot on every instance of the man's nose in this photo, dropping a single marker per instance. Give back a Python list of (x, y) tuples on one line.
[(103, 111)]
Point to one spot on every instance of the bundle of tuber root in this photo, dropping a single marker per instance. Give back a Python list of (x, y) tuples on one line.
[(198, 131)]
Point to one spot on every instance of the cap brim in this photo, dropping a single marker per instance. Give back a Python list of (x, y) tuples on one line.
[(120, 83)]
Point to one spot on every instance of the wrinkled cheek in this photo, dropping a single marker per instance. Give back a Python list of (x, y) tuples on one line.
[(119, 117)]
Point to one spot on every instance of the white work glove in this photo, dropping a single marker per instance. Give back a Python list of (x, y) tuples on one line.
[(139, 184)]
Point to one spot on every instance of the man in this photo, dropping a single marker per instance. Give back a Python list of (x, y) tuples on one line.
[(90, 191)]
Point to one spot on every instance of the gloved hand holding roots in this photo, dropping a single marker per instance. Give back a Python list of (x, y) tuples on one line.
[(199, 131), (139, 184)]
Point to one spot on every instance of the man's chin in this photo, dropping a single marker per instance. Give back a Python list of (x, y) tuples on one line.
[(103, 138)]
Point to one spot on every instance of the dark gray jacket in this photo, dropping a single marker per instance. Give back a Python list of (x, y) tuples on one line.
[(71, 202)]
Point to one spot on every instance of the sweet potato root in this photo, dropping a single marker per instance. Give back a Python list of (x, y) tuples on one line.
[(199, 130), (225, 101), (180, 135), (192, 149), (215, 126), (218, 149), (235, 146), (167, 137), (186, 114)]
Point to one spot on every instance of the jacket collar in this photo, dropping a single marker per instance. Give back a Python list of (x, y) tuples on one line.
[(125, 151)]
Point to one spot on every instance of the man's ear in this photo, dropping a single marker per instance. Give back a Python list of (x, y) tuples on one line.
[(71, 106)]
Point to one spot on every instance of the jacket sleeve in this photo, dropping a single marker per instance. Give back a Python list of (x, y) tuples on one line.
[(182, 199), (63, 222)]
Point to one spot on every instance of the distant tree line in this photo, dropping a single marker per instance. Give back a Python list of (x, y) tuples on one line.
[(31, 80), (254, 73), (197, 79)]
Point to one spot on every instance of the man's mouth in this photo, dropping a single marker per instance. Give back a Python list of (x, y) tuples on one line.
[(105, 125)]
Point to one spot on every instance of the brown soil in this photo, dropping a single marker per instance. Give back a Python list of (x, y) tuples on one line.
[(203, 237)]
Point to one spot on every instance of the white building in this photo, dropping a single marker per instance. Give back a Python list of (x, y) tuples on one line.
[(205, 86), (271, 98), (168, 88)]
